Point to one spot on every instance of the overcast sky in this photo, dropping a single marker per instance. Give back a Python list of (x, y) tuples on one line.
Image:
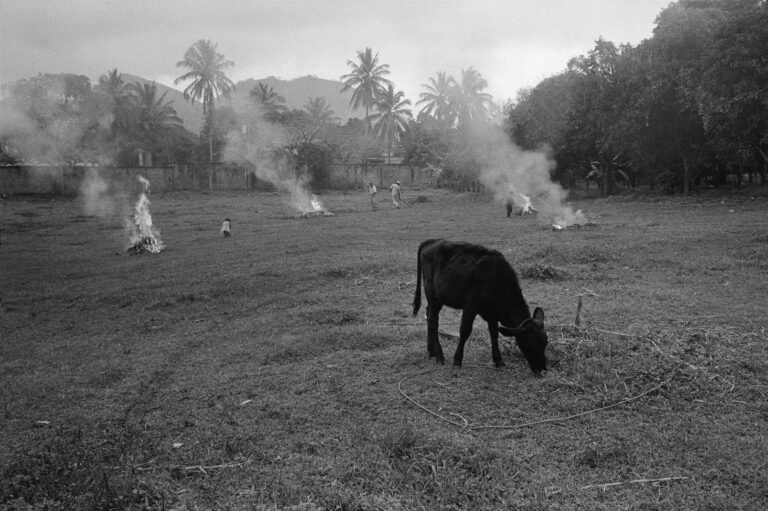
[(512, 43)]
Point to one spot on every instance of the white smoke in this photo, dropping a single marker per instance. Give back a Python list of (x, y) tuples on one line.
[(265, 146), (514, 174), (96, 196)]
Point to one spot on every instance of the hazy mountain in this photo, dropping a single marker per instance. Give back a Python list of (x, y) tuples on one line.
[(296, 93)]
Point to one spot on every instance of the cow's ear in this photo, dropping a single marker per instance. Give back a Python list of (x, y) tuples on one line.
[(509, 332), (538, 314)]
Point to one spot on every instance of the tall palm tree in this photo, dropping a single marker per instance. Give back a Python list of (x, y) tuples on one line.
[(437, 98), (391, 119), (209, 82), (153, 116), (270, 101), (470, 101), (319, 111), (367, 80), (113, 87)]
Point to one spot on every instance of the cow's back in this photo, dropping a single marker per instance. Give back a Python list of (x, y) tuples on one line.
[(458, 272)]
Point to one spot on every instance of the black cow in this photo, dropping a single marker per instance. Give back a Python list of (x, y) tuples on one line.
[(480, 281)]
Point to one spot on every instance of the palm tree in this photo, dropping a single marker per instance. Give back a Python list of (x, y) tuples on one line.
[(153, 116), (113, 87), (270, 101), (319, 111), (209, 82), (367, 81), (437, 98), (470, 101), (391, 119)]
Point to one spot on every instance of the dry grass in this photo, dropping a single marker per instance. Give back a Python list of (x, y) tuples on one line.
[(262, 371)]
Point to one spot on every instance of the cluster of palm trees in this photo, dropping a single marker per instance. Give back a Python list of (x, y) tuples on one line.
[(139, 113), (447, 100), (456, 102)]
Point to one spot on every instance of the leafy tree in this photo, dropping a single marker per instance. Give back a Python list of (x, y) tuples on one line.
[(427, 141), (731, 95), (469, 100), (437, 98), (391, 119), (320, 113), (209, 81), (313, 160), (367, 81), (683, 36), (153, 117), (271, 103), (52, 118), (115, 89)]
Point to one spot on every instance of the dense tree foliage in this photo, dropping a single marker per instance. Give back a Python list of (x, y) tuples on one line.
[(681, 109), (60, 118)]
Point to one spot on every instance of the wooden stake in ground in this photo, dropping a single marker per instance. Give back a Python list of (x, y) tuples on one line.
[(577, 321)]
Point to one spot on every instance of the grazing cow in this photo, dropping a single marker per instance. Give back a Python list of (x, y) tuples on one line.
[(480, 281)]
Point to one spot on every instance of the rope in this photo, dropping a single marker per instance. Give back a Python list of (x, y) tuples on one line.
[(478, 427)]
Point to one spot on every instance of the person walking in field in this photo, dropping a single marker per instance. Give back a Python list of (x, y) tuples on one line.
[(394, 188), (372, 194)]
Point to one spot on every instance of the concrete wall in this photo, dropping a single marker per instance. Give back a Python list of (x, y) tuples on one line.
[(358, 175), (66, 180)]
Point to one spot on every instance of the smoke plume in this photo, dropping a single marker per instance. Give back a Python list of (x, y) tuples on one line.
[(96, 196), (514, 174), (265, 146)]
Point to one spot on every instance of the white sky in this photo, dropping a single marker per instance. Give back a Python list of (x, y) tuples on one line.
[(512, 43)]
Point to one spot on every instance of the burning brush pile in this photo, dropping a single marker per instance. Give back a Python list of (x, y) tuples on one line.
[(311, 207), (143, 236)]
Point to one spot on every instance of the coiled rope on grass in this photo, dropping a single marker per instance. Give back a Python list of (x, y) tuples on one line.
[(477, 427)]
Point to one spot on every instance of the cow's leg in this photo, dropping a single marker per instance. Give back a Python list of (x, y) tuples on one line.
[(467, 319), (433, 342), (493, 328)]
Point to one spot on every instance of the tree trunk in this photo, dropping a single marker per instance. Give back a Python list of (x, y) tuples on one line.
[(686, 176), (210, 147)]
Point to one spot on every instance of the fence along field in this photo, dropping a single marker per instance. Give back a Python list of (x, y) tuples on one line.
[(280, 368)]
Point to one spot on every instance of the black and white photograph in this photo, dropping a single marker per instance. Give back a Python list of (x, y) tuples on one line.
[(383, 255)]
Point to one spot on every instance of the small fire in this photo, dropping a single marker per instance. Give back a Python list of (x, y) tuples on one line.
[(572, 220), (528, 208), (144, 237), (312, 207), (316, 204)]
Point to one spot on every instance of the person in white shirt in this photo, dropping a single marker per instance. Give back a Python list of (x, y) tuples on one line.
[(394, 189), (372, 193)]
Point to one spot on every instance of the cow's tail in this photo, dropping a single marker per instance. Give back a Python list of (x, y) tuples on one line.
[(417, 294)]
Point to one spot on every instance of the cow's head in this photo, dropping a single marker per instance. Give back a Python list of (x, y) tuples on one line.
[(531, 339)]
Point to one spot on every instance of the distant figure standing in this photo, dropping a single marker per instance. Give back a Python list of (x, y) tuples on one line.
[(226, 227), (394, 188), (372, 194), (510, 205)]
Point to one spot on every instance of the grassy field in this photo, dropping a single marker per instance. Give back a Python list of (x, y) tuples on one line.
[(281, 368)]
